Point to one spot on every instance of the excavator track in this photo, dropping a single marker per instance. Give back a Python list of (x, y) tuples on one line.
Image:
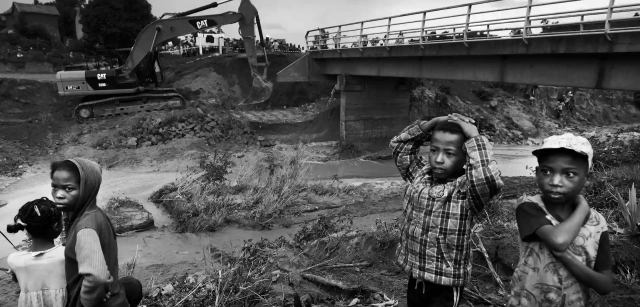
[(146, 101)]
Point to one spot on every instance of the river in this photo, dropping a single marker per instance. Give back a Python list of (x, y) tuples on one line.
[(160, 246)]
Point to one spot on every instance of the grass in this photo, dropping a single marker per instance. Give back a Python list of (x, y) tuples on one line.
[(115, 203), (229, 280), (129, 267), (262, 192)]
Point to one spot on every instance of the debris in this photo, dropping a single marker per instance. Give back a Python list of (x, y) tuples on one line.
[(351, 265), (132, 143), (490, 265), (167, 290), (336, 284), (306, 300), (3, 203)]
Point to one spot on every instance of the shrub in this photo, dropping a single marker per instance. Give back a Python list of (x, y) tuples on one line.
[(484, 94), (262, 191), (441, 99), (445, 89), (615, 152), (38, 56), (324, 226), (215, 167), (605, 179), (37, 32), (629, 210)]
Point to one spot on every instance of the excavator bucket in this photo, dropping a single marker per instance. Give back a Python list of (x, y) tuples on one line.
[(261, 87), (261, 90)]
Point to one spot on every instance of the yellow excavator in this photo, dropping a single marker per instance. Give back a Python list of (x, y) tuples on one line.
[(135, 86)]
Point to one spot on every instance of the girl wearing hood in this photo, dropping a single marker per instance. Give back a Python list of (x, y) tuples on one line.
[(91, 250)]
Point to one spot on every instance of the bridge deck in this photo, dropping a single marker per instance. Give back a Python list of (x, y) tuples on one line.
[(597, 53), (470, 22)]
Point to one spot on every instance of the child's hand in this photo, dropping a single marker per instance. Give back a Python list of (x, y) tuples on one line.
[(465, 123), (107, 296), (562, 256), (427, 126)]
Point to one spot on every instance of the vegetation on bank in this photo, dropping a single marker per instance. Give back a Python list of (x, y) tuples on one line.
[(260, 192), (327, 262)]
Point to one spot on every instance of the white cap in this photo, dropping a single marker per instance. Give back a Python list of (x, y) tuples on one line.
[(568, 141)]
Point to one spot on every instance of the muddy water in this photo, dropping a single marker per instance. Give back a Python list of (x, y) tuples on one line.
[(166, 248), (115, 184), (512, 161)]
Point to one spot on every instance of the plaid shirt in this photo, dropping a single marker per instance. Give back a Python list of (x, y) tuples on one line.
[(438, 216)]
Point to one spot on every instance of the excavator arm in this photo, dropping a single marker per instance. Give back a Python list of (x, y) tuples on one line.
[(142, 57)]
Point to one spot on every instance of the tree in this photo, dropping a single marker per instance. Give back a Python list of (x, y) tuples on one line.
[(115, 23), (67, 18), (33, 32)]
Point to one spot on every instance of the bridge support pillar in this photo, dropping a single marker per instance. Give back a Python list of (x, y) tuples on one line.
[(372, 108)]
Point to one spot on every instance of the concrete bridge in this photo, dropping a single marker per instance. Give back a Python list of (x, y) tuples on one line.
[(549, 43)]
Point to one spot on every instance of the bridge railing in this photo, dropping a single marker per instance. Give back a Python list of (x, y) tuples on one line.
[(468, 22)]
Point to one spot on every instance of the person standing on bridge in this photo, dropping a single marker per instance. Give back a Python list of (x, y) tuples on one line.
[(336, 39), (445, 191)]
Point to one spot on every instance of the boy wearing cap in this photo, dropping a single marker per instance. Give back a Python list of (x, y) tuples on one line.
[(564, 245)]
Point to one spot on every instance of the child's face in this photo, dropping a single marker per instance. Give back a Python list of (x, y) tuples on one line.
[(446, 157), (560, 178), (65, 189)]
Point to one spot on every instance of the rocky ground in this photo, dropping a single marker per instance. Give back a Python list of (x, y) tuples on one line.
[(36, 127)]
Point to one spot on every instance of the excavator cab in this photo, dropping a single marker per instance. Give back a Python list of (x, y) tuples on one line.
[(135, 84)]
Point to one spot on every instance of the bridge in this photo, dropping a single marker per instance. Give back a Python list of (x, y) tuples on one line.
[(532, 42)]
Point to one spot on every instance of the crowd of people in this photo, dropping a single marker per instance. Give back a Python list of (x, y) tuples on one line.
[(188, 48), (566, 103), (322, 40), (565, 244)]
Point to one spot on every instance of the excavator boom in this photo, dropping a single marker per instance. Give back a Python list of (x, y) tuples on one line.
[(125, 90), (161, 30)]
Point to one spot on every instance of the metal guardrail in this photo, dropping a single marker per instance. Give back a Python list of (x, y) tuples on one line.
[(454, 27)]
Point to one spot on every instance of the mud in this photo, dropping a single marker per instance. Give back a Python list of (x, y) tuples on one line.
[(36, 127), (323, 126), (228, 79)]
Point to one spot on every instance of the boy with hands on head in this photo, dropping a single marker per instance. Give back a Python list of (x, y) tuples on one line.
[(445, 190)]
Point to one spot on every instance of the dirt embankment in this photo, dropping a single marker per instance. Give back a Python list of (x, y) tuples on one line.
[(227, 79), (507, 117)]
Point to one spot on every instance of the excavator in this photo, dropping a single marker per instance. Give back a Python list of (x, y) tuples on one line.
[(136, 86)]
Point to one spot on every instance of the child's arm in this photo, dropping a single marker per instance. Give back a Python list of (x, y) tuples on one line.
[(482, 170), (406, 147), (559, 237), (600, 277), (92, 264)]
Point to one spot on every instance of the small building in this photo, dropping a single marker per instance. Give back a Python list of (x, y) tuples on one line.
[(46, 15)]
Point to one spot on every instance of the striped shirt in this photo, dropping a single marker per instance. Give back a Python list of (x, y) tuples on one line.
[(437, 215)]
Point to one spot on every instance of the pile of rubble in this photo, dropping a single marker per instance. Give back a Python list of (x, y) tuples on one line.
[(215, 128)]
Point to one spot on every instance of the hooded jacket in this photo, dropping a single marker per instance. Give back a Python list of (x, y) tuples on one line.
[(85, 288)]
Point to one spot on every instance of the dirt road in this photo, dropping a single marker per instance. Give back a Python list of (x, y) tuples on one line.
[(34, 77)]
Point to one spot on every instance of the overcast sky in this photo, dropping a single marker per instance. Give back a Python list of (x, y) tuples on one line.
[(290, 19)]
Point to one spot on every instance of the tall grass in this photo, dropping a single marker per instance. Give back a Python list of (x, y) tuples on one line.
[(261, 192), (270, 188), (229, 280)]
